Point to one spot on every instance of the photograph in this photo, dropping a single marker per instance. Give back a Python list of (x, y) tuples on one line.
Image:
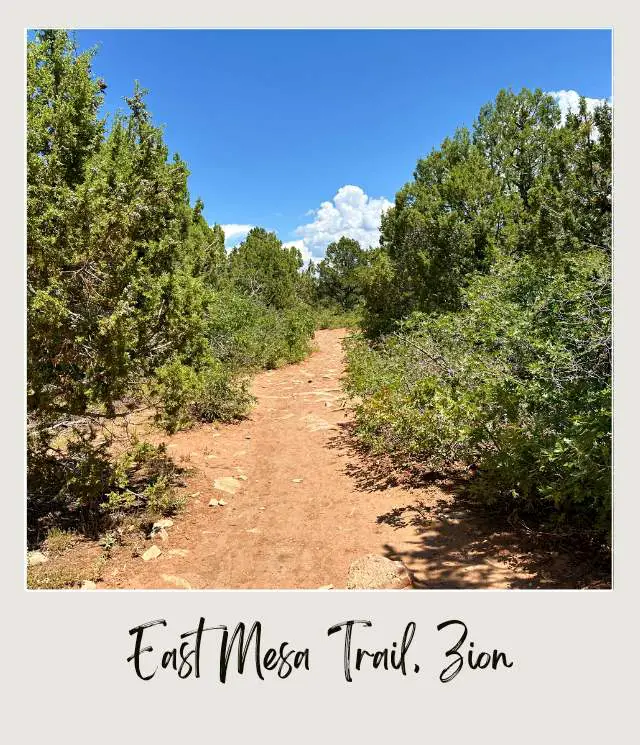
[(318, 309)]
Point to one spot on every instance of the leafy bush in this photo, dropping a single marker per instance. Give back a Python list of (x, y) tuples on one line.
[(82, 485), (488, 312), (129, 289), (246, 334), (518, 382)]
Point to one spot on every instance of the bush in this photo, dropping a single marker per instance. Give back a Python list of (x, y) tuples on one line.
[(246, 334), (518, 382), (184, 395), (83, 485)]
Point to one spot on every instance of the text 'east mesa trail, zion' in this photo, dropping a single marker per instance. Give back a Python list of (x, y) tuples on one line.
[(251, 654)]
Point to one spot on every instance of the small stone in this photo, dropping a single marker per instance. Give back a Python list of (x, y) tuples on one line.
[(326, 587), (213, 503), (253, 530), (36, 557), (87, 584), (221, 502), (151, 553), (177, 581), (297, 481), (195, 494), (247, 437), (164, 523), (242, 477), (375, 572), (181, 552), (228, 484)]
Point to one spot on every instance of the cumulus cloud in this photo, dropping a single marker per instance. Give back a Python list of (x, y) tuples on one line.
[(234, 233), (350, 213), (304, 251), (570, 101)]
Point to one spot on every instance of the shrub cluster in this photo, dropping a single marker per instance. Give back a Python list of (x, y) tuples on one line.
[(488, 312), (131, 296)]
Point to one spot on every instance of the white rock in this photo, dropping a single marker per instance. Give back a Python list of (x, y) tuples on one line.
[(87, 584), (164, 523), (375, 572), (151, 553), (177, 581), (181, 552), (36, 557), (227, 484)]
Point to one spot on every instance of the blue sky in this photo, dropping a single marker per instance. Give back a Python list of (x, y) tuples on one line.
[(273, 124)]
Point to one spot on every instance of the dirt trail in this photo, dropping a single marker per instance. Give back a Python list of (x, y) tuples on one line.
[(308, 505)]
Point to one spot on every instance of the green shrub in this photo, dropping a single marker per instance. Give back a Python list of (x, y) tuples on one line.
[(83, 486), (517, 382)]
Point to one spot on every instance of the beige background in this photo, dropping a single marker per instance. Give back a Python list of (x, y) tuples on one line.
[(65, 674)]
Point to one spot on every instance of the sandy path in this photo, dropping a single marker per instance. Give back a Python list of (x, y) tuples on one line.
[(279, 532)]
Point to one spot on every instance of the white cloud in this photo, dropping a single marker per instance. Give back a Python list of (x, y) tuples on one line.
[(234, 233), (570, 101), (300, 245), (350, 213)]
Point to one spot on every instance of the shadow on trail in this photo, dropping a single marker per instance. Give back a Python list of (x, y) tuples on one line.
[(457, 543)]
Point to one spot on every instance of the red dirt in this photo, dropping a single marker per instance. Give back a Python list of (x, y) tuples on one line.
[(277, 532)]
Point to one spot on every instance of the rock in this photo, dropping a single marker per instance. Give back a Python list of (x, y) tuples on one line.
[(195, 494), (87, 584), (375, 572), (227, 484), (36, 557), (181, 552), (326, 587), (242, 477), (162, 534), (151, 553), (297, 481), (247, 437), (221, 502), (213, 503), (177, 581), (164, 523)]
